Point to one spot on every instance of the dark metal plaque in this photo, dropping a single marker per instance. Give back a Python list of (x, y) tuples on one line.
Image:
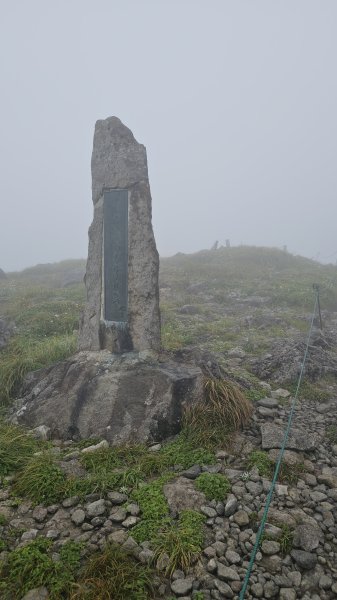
[(116, 255)]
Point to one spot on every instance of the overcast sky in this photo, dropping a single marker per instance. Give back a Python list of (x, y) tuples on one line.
[(235, 101)]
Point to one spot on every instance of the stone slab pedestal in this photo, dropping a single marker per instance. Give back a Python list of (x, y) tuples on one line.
[(124, 398)]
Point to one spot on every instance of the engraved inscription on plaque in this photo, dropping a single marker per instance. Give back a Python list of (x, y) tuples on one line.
[(116, 255)]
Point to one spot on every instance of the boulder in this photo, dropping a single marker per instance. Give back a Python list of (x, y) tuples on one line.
[(120, 398), (272, 437)]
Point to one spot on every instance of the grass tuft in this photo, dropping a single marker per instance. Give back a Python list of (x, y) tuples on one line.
[(16, 447), (41, 480), (225, 409), (113, 574), (181, 541)]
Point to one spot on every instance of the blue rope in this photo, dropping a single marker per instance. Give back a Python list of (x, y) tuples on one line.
[(279, 460)]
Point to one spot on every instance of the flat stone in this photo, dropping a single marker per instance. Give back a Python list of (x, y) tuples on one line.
[(118, 537), (192, 473), (117, 497), (39, 514), (208, 511), (257, 590), (267, 412), (155, 448), (304, 559), (328, 479), (272, 437), (241, 518), (94, 509), (181, 587), (268, 402), (29, 535), (146, 556), (290, 457), (40, 593), (287, 594), (118, 515), (96, 447), (130, 521), (133, 509), (233, 557), (224, 589), (71, 501), (231, 505), (307, 537), (182, 495), (272, 563), (78, 516), (280, 393), (227, 573), (270, 547)]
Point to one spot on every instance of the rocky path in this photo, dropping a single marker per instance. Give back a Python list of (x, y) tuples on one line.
[(298, 554)]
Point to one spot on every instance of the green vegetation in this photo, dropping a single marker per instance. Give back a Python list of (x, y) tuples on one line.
[(3, 520), (286, 539), (45, 319), (332, 434), (266, 466), (214, 486), (225, 409), (111, 574), (41, 480), (181, 541), (16, 448), (262, 462), (32, 566), (155, 512)]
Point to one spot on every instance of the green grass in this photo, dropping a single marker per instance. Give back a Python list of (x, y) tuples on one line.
[(23, 355), (154, 508), (16, 448), (214, 485), (32, 566), (266, 466), (41, 480), (113, 574), (181, 541)]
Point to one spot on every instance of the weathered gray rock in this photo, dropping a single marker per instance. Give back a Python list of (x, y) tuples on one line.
[(307, 537), (78, 516), (40, 593), (119, 162), (103, 445), (304, 559), (181, 586), (182, 495), (97, 508), (272, 437), (121, 398)]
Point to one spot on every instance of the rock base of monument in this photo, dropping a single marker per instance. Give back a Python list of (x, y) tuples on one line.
[(121, 398)]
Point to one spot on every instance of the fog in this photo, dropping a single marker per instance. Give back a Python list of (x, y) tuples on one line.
[(234, 100)]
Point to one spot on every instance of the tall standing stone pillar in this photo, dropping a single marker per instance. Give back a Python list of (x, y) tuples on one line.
[(122, 305)]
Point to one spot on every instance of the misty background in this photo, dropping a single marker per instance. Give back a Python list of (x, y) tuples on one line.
[(235, 101)]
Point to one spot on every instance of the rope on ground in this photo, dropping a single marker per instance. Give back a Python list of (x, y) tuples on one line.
[(280, 457)]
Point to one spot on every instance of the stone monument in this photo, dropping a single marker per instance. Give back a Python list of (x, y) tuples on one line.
[(111, 388), (122, 307)]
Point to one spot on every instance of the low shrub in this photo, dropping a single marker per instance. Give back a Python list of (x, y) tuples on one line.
[(214, 485), (32, 566)]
